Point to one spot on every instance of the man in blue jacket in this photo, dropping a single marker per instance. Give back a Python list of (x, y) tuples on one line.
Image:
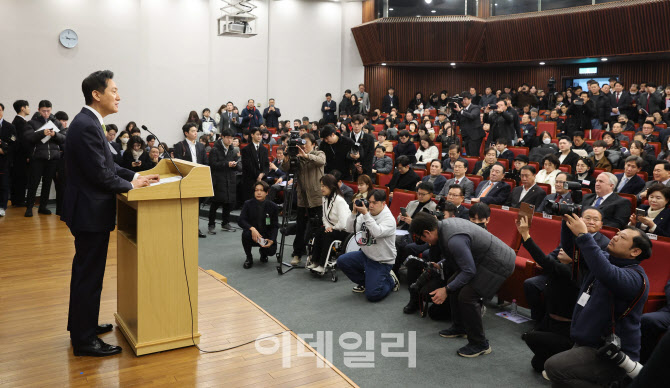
[(251, 117), (611, 300)]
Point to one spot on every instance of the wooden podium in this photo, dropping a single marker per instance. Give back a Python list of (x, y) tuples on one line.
[(152, 298)]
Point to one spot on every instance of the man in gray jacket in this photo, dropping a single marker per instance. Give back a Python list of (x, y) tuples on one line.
[(381, 164), (480, 263)]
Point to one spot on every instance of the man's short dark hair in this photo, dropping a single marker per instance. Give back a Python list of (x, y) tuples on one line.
[(635, 159), (347, 91), (328, 130), (95, 81), (205, 110), (459, 187), (187, 127), (337, 174), (44, 104), (19, 104), (530, 168), (329, 95), (112, 127), (455, 147), (565, 138), (378, 195), (641, 241), (227, 132), (459, 161), (666, 165), (404, 132), (579, 134), (383, 133), (466, 95), (254, 130), (599, 143), (403, 160), (449, 208), (150, 138), (427, 186), (478, 210), (422, 222), (502, 140), (263, 184), (60, 115), (309, 136)]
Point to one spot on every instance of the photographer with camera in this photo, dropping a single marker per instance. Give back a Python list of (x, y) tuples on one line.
[(337, 149), (370, 267), (580, 113), (424, 193), (502, 123), (606, 319), (481, 263), (471, 125), (310, 163)]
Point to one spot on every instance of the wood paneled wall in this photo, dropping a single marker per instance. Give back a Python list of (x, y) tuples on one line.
[(408, 80), (368, 11), (622, 28)]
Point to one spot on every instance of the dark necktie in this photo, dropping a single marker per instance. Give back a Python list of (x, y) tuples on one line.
[(617, 97), (558, 198)]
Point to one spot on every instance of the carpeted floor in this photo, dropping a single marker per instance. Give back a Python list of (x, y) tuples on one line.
[(307, 304)]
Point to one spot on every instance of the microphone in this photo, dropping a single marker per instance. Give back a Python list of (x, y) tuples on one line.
[(166, 151)]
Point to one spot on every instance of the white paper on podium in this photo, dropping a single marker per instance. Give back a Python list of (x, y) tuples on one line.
[(167, 180)]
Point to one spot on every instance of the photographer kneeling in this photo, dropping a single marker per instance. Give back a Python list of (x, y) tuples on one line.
[(481, 262), (370, 268), (607, 315), (335, 214)]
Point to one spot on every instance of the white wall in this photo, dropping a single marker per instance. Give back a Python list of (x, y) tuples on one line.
[(168, 60)]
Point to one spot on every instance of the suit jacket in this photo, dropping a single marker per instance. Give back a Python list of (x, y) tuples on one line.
[(470, 123), (662, 222), (329, 115), (347, 193), (462, 212), (389, 102), (93, 179), (497, 195), (438, 185), (251, 214), (534, 197), (254, 163), (467, 185), (509, 155), (232, 123), (615, 209), (8, 142), (183, 151), (570, 160), (647, 186), (364, 101), (367, 150), (544, 206), (633, 186), (624, 104), (655, 103), (446, 164), (271, 118)]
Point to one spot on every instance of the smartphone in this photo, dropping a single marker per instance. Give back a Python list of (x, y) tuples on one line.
[(640, 212), (403, 212)]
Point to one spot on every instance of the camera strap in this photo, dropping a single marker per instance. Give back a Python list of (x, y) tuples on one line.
[(632, 304)]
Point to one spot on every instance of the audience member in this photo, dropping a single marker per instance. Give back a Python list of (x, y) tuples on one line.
[(514, 172), (661, 175), (578, 143), (365, 187), (483, 167), (453, 154), (7, 147), (259, 220), (657, 218), (548, 174), (390, 101), (584, 173), (337, 149), (255, 162), (502, 152), (456, 196), (404, 178), (422, 203), (615, 209), (459, 179), (528, 192), (271, 114), (251, 117), (599, 158), (19, 172), (224, 162), (628, 181), (565, 154), (560, 194), (329, 109), (364, 143), (494, 190), (137, 159), (435, 176)]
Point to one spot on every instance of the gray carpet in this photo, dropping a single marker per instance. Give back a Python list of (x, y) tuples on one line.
[(307, 304)]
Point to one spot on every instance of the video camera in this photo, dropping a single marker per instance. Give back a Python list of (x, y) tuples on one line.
[(561, 209), (429, 272), (453, 100), (294, 142)]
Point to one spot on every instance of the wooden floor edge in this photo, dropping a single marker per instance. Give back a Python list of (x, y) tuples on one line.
[(218, 277)]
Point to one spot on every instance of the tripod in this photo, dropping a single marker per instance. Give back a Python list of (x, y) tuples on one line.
[(287, 207)]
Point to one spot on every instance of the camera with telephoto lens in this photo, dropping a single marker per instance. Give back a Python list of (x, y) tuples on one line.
[(612, 351), (453, 100), (294, 142), (362, 202), (561, 209), (429, 272)]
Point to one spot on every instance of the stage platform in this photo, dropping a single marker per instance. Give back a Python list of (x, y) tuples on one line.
[(35, 263)]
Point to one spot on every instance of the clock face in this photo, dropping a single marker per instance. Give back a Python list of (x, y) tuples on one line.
[(69, 38)]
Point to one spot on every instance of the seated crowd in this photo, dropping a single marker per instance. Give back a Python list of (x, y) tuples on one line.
[(416, 189)]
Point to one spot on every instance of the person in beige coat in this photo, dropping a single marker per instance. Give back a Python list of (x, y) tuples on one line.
[(308, 191)]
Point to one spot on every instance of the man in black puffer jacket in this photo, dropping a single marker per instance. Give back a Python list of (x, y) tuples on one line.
[(44, 150)]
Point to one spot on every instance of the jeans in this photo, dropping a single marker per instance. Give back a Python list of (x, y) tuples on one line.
[(581, 367), (375, 276)]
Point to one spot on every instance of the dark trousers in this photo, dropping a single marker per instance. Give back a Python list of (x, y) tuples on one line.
[(533, 289), (466, 313), (304, 216), (322, 241), (554, 338), (225, 212), (19, 178), (248, 243), (44, 170), (656, 369), (405, 248), (4, 188), (59, 183), (581, 367), (472, 146), (652, 326), (88, 270)]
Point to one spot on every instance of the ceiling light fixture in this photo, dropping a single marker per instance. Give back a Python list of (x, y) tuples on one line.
[(390, 9), (433, 11), (603, 59), (383, 63), (542, 63), (453, 63)]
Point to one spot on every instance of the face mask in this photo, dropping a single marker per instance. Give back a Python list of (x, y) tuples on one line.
[(546, 141), (124, 140), (481, 225)]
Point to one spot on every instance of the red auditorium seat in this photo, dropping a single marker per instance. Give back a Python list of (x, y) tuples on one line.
[(504, 162), (657, 147), (598, 171), (384, 189), (378, 127), (519, 151), (629, 134), (609, 231), (274, 150), (400, 199), (545, 186), (353, 185), (549, 126), (546, 232), (632, 199), (272, 130), (510, 182), (384, 179), (502, 225), (420, 172), (657, 268), (641, 174), (448, 175), (536, 165), (439, 149), (472, 160), (476, 179), (391, 155), (565, 168)]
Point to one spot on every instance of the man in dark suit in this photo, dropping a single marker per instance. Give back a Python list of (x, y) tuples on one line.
[(661, 175), (453, 154), (365, 142), (562, 195), (461, 180), (229, 120), (329, 109), (565, 153), (191, 149), (7, 145), (114, 147), (271, 115), (615, 209), (19, 170), (620, 101), (471, 125), (494, 190), (629, 182), (649, 102), (255, 163), (456, 195), (259, 221), (390, 101), (89, 210), (528, 192)]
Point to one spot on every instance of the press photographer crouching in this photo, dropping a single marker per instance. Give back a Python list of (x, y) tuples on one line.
[(424, 194), (335, 214), (606, 319), (374, 229), (480, 262)]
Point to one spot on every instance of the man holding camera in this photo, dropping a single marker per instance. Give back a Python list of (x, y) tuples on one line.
[(471, 125), (308, 190), (370, 267), (607, 315), (480, 261), (423, 203), (337, 149), (364, 143), (502, 122)]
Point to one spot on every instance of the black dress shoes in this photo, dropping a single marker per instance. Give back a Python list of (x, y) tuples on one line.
[(201, 235), (96, 348), (104, 328), (43, 210), (264, 259), (248, 263)]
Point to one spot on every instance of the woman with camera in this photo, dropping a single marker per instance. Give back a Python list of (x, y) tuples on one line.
[(335, 214), (656, 218)]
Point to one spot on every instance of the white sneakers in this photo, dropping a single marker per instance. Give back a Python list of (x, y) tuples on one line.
[(396, 287), (319, 269), (311, 266)]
